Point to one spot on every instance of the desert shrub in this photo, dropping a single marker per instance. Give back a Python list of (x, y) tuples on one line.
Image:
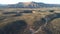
[(51, 10)]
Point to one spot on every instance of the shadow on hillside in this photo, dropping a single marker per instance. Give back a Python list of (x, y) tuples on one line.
[(52, 17), (16, 27), (12, 14)]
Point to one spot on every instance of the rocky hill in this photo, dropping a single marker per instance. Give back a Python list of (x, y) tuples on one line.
[(30, 5)]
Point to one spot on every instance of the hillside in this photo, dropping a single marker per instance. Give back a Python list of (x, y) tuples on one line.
[(33, 5), (12, 23), (30, 5)]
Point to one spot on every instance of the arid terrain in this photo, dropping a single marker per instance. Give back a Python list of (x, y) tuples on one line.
[(29, 21)]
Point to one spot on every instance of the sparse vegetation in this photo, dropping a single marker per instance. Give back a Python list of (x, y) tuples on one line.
[(18, 22)]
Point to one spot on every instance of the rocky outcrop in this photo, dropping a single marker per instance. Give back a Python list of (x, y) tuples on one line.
[(47, 26)]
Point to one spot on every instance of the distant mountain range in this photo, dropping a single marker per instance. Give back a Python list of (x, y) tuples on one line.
[(29, 5)]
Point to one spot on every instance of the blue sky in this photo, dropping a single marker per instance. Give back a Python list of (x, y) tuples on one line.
[(16, 1)]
